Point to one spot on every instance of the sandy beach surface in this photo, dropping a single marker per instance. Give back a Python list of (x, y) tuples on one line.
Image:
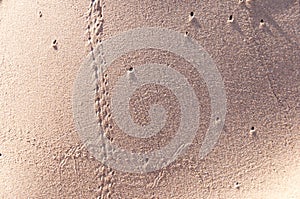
[(255, 46)]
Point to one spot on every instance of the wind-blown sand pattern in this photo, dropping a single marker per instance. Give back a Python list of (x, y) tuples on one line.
[(255, 45)]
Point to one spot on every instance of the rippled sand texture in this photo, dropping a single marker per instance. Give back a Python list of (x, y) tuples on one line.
[(255, 45)]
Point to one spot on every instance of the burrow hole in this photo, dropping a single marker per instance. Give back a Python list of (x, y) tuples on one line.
[(130, 69)]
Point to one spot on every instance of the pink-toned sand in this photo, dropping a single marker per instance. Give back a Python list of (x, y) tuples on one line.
[(41, 154)]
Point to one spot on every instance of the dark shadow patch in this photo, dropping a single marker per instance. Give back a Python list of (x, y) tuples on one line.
[(264, 9)]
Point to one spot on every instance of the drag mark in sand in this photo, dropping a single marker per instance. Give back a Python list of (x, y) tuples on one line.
[(94, 32), (93, 131)]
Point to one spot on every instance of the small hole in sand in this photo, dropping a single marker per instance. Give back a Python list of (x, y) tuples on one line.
[(230, 18), (191, 16), (0, 154), (262, 23), (253, 131), (217, 119), (54, 44), (130, 69), (237, 185)]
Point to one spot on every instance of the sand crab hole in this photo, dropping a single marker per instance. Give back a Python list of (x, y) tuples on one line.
[(130, 69)]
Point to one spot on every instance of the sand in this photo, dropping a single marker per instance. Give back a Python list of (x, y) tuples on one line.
[(256, 50)]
